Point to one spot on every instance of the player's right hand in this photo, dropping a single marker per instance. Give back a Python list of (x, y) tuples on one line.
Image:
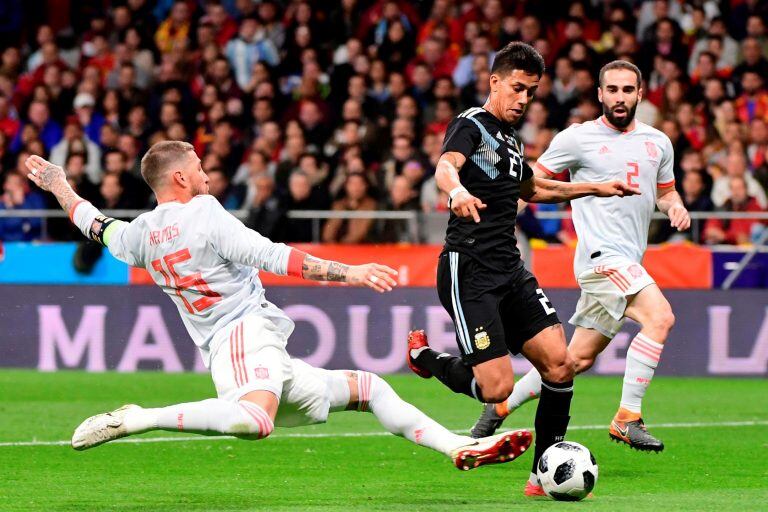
[(466, 205), (372, 275), (43, 173), (616, 188)]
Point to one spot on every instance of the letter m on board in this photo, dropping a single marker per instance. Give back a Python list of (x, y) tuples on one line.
[(87, 341)]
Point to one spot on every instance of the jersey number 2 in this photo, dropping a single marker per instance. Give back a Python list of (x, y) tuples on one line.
[(180, 283), (548, 309), (634, 172)]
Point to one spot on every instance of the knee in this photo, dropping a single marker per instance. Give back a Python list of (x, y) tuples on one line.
[(497, 391), (667, 320), (582, 363), (561, 369), (253, 423)]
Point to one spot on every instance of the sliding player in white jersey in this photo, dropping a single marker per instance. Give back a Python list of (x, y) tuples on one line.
[(613, 235), (208, 262)]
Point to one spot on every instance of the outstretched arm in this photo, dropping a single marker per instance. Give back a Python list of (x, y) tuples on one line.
[(372, 275), (89, 219), (52, 178), (671, 204), (461, 202), (540, 190)]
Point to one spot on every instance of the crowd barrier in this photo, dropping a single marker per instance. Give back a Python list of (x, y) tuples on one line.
[(674, 266)]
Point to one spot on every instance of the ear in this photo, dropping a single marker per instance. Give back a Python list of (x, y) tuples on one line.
[(600, 94), (178, 178), (495, 82), (639, 94)]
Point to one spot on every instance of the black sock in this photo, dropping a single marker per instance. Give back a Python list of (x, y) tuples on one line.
[(552, 416), (451, 371)]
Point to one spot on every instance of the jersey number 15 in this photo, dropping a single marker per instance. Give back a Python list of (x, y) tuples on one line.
[(180, 283)]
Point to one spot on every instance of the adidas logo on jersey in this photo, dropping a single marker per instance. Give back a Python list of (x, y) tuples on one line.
[(604, 150)]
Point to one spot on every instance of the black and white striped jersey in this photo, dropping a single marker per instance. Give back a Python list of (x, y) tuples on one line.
[(493, 171)]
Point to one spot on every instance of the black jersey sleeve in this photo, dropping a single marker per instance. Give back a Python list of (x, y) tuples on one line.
[(462, 136), (527, 172)]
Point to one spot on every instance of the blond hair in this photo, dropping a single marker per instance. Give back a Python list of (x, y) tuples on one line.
[(157, 161)]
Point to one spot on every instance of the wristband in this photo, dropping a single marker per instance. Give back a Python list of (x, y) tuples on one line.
[(454, 192)]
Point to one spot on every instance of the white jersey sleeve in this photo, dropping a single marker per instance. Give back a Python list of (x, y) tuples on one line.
[(236, 243), (116, 236), (563, 153), (666, 175)]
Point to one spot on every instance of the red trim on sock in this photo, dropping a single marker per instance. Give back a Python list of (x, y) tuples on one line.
[(295, 262)]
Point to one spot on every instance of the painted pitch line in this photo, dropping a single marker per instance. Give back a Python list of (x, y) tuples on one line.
[(321, 435)]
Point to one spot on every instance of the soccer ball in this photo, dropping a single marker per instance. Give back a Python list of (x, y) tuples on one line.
[(567, 471)]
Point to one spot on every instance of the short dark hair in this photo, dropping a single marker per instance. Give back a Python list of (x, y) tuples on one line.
[(621, 64), (518, 55)]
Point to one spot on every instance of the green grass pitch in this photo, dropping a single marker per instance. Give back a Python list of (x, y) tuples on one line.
[(716, 456)]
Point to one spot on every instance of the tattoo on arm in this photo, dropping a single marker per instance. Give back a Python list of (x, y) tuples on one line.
[(337, 271), (54, 180), (322, 270)]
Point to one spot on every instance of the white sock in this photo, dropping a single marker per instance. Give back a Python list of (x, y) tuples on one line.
[(403, 419), (207, 417), (526, 389), (642, 359), (534, 478)]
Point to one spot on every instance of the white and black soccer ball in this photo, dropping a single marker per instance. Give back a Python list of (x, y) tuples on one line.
[(567, 471)]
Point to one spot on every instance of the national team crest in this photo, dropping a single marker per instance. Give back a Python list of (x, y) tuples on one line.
[(261, 373), (482, 340), (635, 271), (653, 152)]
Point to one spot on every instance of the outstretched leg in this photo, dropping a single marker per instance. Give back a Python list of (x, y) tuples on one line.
[(367, 392), (251, 417)]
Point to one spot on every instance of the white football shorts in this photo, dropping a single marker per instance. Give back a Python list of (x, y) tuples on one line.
[(604, 293), (251, 356)]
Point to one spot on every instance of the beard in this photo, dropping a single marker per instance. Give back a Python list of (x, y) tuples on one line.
[(620, 122)]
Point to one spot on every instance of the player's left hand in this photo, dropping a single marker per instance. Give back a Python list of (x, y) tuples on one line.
[(372, 275), (679, 217), (43, 173), (616, 188)]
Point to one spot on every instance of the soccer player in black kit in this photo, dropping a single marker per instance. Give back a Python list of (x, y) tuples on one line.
[(496, 305)]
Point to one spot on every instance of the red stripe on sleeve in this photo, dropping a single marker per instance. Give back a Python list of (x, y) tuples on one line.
[(666, 185), (295, 262), (73, 208), (548, 171)]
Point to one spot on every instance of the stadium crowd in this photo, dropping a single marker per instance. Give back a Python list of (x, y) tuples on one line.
[(299, 105)]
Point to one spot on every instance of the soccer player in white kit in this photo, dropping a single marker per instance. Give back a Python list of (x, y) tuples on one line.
[(208, 262), (612, 238)]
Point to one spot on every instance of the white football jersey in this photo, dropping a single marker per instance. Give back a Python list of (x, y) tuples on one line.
[(612, 227), (207, 262)]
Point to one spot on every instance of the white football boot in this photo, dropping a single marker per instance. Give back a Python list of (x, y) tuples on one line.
[(101, 428)]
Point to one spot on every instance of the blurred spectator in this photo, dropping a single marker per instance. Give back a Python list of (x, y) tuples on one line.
[(753, 102), (134, 193), (39, 118), (75, 142), (220, 188), (736, 167), (265, 213), (734, 231), (356, 199), (300, 197), (18, 196), (173, 33), (402, 198), (248, 48)]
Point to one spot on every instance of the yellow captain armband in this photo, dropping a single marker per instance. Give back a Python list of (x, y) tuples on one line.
[(102, 229)]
